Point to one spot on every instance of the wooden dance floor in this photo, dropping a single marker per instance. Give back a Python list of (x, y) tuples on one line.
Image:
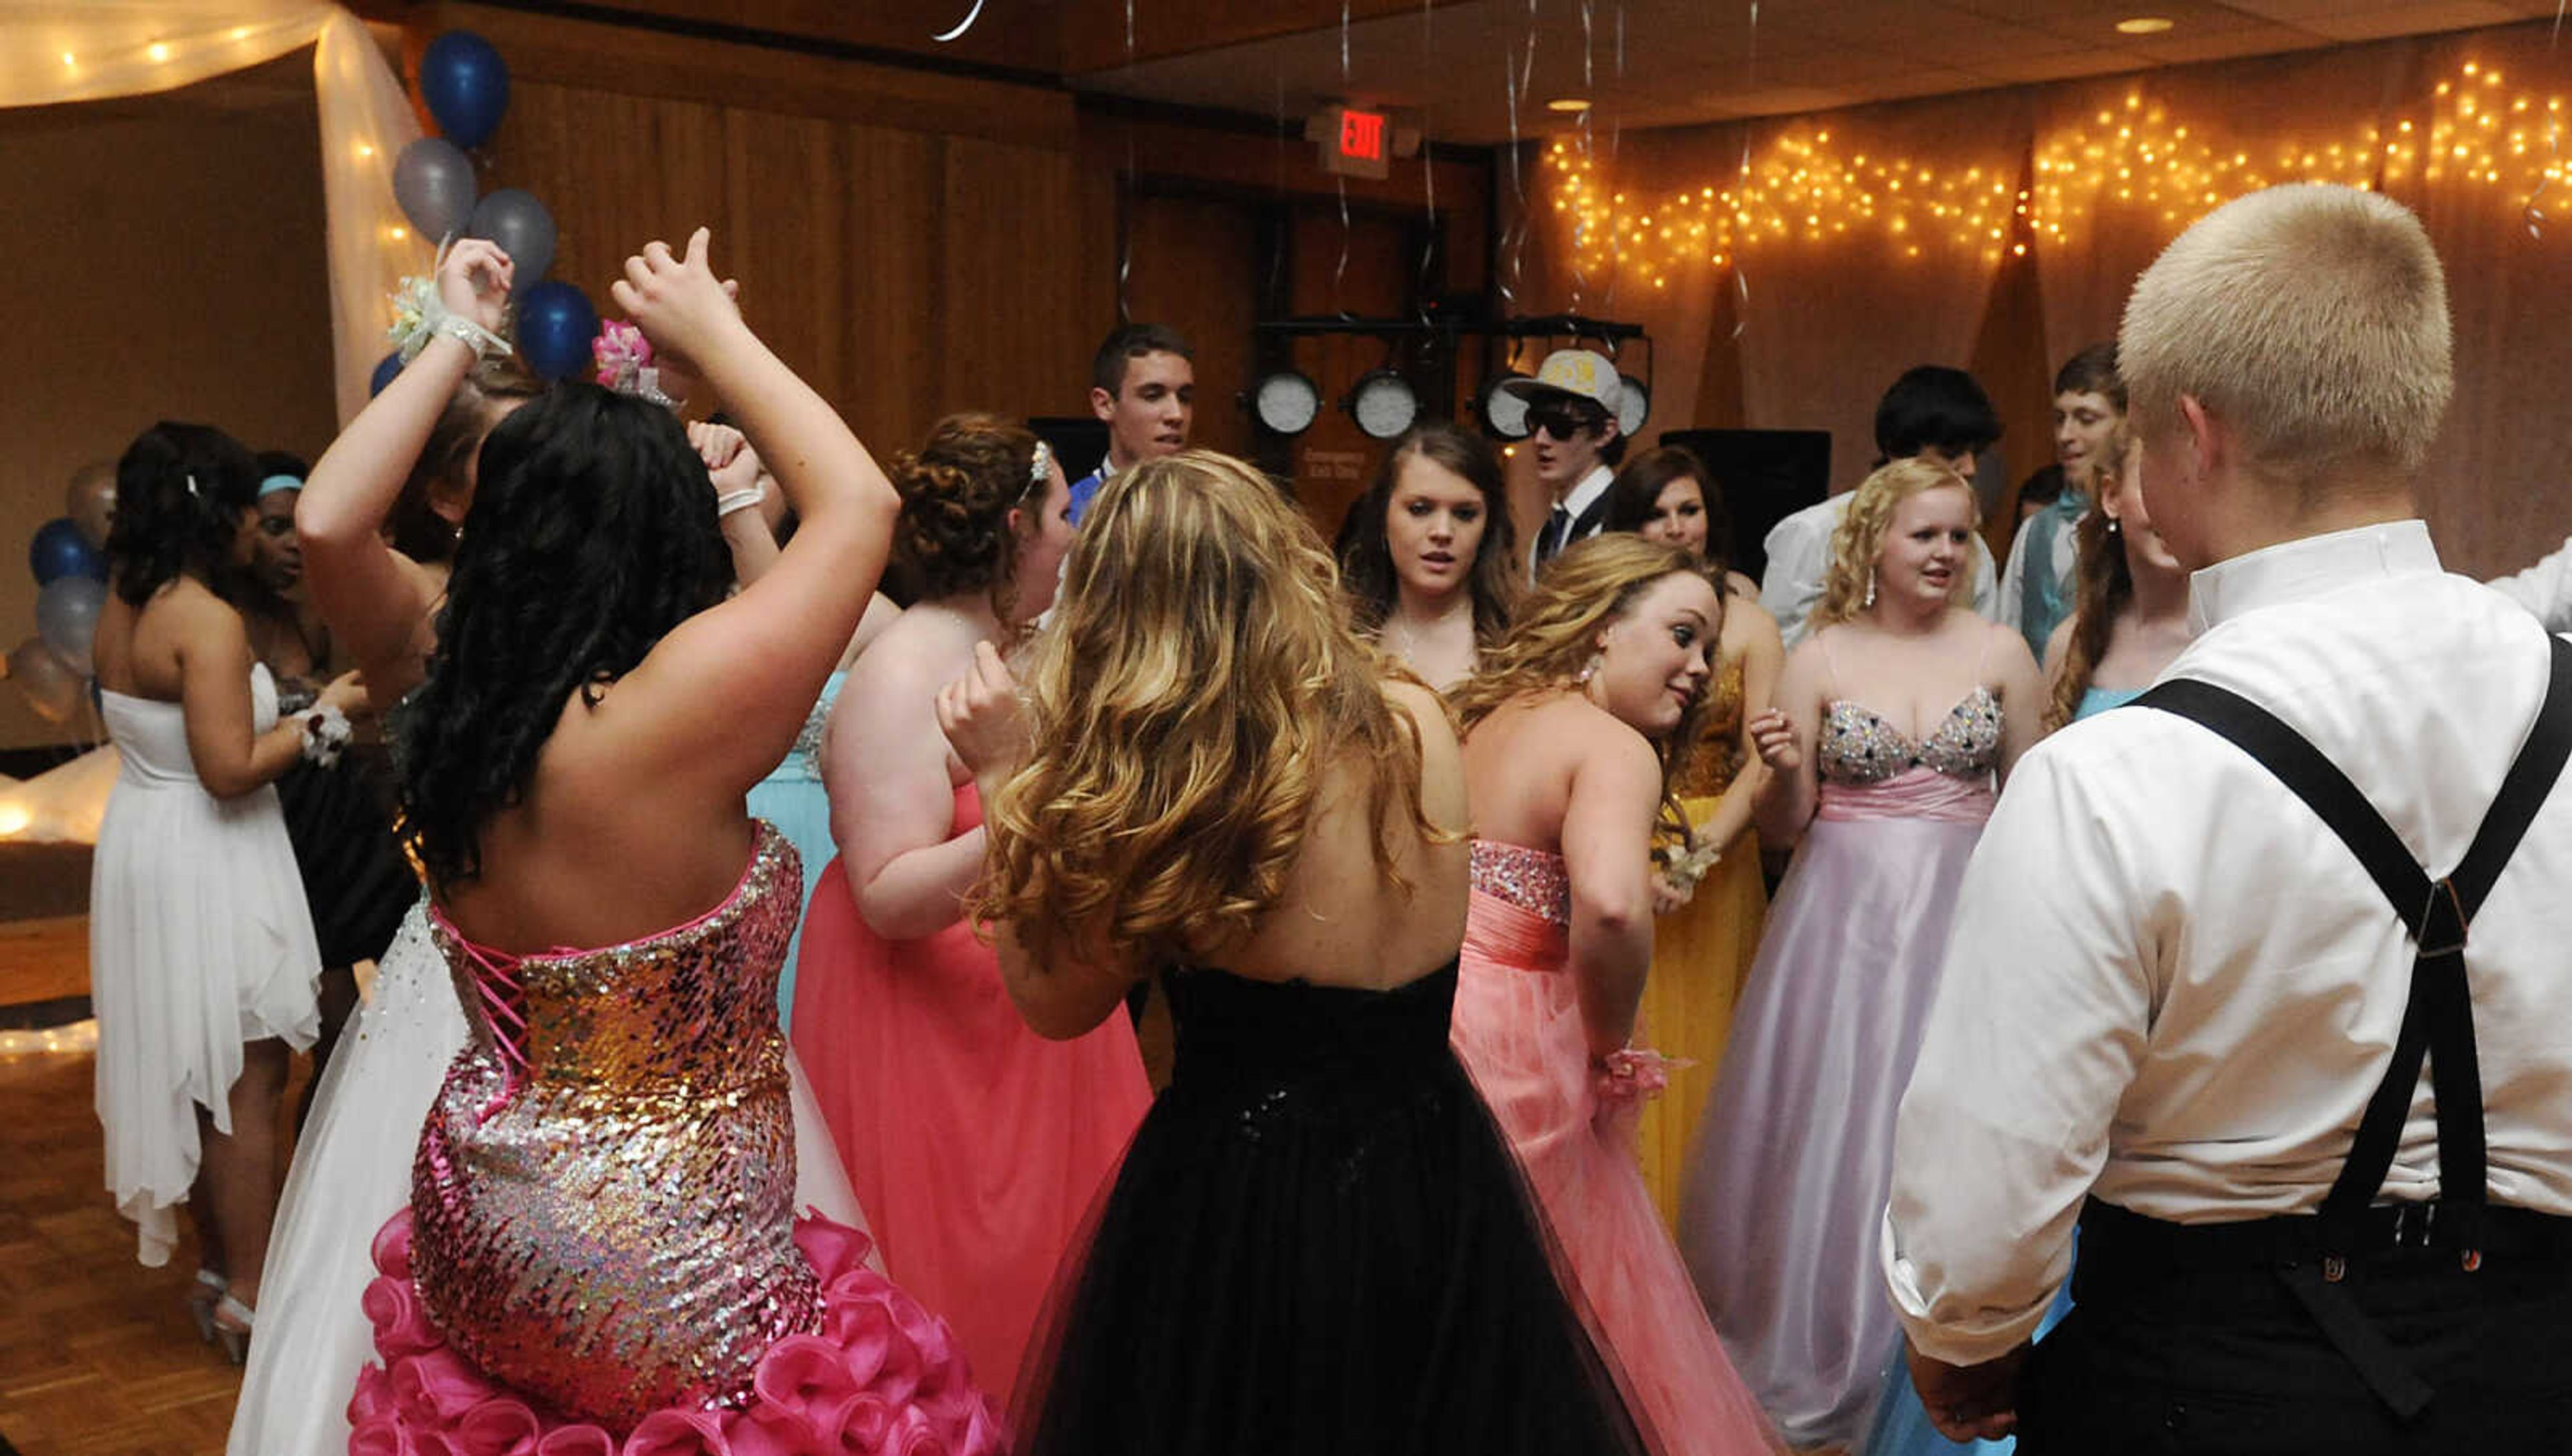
[(97, 1353)]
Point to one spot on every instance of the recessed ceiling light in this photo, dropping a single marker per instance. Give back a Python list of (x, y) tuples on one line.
[(1567, 103), (2144, 25)]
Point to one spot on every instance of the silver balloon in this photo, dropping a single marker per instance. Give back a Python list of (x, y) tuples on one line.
[(91, 501), (517, 222), (67, 618), (433, 181), (52, 688)]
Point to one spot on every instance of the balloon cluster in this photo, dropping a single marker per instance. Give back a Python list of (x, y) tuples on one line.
[(52, 668), (466, 86)]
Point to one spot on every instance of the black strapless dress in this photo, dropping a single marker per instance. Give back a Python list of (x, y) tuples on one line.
[(1318, 1242)]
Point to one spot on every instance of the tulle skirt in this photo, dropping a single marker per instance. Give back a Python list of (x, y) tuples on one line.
[(976, 1145), (1317, 1244), (1519, 1030), (1793, 1164), (1702, 954), (353, 1171), (199, 944)]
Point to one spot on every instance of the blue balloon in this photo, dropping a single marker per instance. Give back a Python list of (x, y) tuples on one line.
[(385, 369), (555, 327), (59, 550), (466, 86)]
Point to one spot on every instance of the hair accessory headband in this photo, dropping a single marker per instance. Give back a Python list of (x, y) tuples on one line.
[(624, 358), (275, 483), (192, 493), (1036, 472)]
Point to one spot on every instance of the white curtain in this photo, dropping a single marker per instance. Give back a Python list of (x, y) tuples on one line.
[(89, 50)]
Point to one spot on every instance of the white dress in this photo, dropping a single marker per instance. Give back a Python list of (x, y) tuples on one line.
[(353, 1171), (200, 942)]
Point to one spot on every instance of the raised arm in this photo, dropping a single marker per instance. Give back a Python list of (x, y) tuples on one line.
[(724, 694), (1784, 737), (1762, 659), (1606, 838), (733, 469), (370, 595)]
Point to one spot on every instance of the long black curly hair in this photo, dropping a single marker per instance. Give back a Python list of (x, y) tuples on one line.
[(182, 491), (592, 534)]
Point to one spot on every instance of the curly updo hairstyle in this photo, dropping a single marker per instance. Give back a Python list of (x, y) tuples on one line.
[(180, 491), (957, 490), (592, 534)]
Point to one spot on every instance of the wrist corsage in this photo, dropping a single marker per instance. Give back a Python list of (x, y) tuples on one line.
[(326, 732), (419, 316), (1635, 1075), (624, 360), (1684, 870)]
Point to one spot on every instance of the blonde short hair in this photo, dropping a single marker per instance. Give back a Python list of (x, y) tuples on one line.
[(2310, 319)]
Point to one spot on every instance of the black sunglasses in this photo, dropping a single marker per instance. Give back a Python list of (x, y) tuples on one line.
[(1564, 421)]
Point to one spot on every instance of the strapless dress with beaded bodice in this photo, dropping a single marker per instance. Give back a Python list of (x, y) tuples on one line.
[(602, 1231), (1793, 1161)]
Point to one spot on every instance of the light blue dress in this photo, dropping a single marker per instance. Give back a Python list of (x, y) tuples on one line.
[(791, 797), (1901, 1425)]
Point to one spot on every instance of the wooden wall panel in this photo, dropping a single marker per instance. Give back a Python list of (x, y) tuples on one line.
[(1012, 331), (790, 243), (893, 297), (616, 171), (1198, 268)]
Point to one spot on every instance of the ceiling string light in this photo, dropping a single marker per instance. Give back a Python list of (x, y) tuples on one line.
[(1803, 188)]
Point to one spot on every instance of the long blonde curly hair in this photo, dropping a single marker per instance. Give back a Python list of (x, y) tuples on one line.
[(1578, 595), (1197, 690), (1859, 540)]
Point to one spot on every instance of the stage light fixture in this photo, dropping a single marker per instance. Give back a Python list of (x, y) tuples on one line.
[(1383, 403), (1286, 402), (1503, 413), (1634, 404)]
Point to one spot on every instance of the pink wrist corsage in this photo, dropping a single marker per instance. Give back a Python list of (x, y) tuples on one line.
[(1635, 1075)]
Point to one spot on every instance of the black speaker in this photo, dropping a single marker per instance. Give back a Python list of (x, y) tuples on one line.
[(1765, 475)]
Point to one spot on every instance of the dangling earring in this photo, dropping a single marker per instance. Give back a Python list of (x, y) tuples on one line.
[(1870, 588), (2114, 528)]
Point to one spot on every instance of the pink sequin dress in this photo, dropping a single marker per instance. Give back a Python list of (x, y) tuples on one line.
[(1518, 1029), (602, 1252)]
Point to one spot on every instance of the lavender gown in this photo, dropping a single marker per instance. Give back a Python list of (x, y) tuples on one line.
[(1792, 1166)]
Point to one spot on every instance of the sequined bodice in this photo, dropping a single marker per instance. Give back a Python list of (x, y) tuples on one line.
[(1532, 880), (1710, 767), (1859, 747), (603, 1200)]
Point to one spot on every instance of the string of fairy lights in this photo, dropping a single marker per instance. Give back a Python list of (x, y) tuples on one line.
[(1801, 187)]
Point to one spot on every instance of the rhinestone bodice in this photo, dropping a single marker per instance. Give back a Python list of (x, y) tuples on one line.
[(1532, 880), (1859, 747), (603, 1200)]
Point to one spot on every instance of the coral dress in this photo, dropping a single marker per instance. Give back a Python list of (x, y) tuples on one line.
[(976, 1145), (1517, 1029), (601, 1251), (1317, 1246), (1787, 1183), (1702, 954)]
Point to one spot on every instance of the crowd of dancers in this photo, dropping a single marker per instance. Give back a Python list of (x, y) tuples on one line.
[(1166, 984)]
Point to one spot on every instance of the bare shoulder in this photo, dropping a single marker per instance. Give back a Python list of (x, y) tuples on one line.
[(1426, 707), (1740, 588), (2005, 649)]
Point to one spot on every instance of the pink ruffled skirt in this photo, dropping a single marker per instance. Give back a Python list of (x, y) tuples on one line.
[(882, 1375)]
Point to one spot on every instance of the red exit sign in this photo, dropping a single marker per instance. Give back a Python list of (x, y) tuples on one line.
[(1354, 142)]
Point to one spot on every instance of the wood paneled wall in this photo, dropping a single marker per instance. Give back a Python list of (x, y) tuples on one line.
[(899, 234)]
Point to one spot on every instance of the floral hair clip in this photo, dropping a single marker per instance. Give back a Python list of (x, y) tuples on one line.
[(419, 316), (1036, 472), (624, 358)]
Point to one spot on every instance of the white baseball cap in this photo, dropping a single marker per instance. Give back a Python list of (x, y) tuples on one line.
[(1583, 373)]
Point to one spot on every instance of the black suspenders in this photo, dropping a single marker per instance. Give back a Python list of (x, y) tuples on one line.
[(2438, 1020)]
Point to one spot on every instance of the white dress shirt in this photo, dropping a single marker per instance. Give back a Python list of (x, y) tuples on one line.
[(1799, 558), (2170, 984), (2544, 588), (1585, 495)]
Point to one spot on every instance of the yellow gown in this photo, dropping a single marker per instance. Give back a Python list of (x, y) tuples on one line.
[(1700, 954)]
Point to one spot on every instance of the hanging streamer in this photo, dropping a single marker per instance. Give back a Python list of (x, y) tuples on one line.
[(961, 26), (1741, 275), (1428, 171), (1341, 270), (2553, 137), (1126, 194), (1516, 76)]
